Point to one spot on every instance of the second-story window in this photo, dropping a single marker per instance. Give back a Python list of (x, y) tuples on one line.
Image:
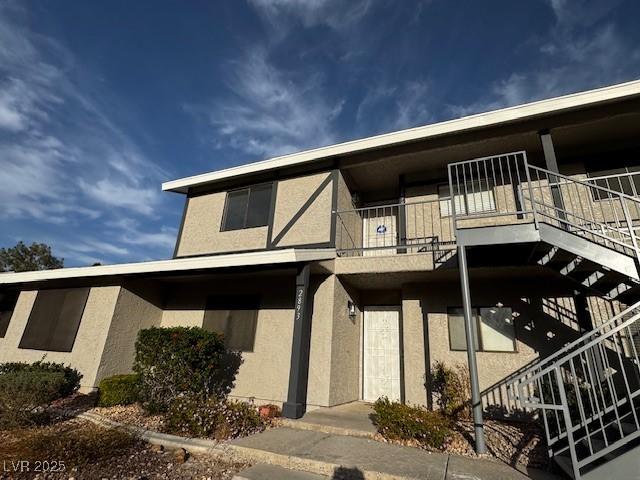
[(247, 207)]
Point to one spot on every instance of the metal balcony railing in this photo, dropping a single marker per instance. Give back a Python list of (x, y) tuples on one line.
[(505, 189), (411, 227)]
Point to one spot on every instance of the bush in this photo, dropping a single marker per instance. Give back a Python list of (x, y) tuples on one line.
[(396, 421), (69, 385), (198, 416), (453, 389), (171, 361), (118, 390), (24, 394)]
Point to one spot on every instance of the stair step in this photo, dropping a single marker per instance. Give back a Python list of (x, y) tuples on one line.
[(565, 464)]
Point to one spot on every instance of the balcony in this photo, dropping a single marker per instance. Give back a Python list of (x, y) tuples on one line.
[(496, 191)]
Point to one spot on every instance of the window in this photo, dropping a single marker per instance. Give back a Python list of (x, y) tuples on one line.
[(495, 332), (235, 317), (8, 302), (54, 319), (476, 197), (247, 208)]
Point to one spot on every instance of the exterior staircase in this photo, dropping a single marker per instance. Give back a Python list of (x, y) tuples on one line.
[(587, 394)]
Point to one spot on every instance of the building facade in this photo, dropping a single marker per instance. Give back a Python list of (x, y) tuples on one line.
[(336, 271)]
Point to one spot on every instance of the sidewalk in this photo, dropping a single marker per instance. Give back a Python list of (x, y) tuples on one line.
[(346, 457)]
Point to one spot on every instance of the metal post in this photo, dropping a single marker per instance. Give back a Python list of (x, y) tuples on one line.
[(476, 401)]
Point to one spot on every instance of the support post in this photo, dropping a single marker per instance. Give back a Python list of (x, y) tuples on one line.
[(551, 162), (296, 403), (402, 218), (469, 326)]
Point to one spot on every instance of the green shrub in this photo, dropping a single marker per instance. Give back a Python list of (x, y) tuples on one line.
[(24, 394), (452, 389), (213, 417), (397, 421), (71, 377), (171, 361), (118, 390)]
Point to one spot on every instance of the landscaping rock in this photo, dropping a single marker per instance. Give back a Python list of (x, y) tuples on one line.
[(181, 455)]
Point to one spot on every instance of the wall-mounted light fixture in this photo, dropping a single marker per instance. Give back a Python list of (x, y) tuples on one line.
[(351, 308)]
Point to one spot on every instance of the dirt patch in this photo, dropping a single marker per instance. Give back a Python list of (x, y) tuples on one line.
[(81, 450)]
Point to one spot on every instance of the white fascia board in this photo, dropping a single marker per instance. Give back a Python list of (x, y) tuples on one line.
[(269, 257), (496, 117)]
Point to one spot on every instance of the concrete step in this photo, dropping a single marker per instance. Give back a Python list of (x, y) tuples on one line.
[(263, 471)]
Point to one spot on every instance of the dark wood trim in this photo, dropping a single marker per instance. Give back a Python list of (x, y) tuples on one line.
[(296, 403), (334, 206), (181, 229), (272, 213)]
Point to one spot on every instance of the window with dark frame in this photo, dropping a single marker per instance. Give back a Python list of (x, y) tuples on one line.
[(235, 317), (8, 302), (494, 329), (55, 319), (247, 207)]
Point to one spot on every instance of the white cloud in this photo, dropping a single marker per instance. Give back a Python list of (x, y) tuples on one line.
[(394, 106), (49, 158), (332, 13), (271, 111), (573, 58)]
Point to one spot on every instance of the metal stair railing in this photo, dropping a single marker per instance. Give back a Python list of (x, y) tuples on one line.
[(589, 392)]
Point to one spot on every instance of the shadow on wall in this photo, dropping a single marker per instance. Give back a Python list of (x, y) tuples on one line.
[(346, 473), (545, 324)]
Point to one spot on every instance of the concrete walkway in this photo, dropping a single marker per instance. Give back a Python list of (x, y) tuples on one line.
[(348, 457), (353, 419)]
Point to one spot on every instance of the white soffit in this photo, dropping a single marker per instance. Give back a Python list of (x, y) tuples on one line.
[(496, 117), (270, 257)]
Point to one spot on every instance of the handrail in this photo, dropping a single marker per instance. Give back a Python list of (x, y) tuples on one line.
[(586, 184), (392, 205), (578, 342), (586, 346)]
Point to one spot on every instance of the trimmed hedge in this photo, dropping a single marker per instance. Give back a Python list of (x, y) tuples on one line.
[(212, 417), (397, 421), (118, 390), (24, 394), (71, 377), (172, 361)]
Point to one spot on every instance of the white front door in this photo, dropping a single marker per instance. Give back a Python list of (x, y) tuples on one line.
[(381, 356)]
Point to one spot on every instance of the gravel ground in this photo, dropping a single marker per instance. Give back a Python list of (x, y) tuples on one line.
[(136, 461), (131, 415), (516, 444)]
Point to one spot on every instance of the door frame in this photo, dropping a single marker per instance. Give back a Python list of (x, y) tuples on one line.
[(397, 308)]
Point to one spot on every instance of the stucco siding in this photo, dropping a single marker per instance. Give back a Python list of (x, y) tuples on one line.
[(303, 210), (133, 312), (201, 232), (345, 349), (264, 372), (89, 342), (544, 319)]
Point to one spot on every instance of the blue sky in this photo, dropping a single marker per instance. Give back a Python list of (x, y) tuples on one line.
[(100, 102)]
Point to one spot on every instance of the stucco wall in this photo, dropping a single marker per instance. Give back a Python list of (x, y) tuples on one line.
[(138, 307), (302, 216), (345, 349), (298, 222), (90, 339), (545, 321), (264, 373), (201, 232)]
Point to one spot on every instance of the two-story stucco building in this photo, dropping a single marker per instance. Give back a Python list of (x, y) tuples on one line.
[(338, 272)]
